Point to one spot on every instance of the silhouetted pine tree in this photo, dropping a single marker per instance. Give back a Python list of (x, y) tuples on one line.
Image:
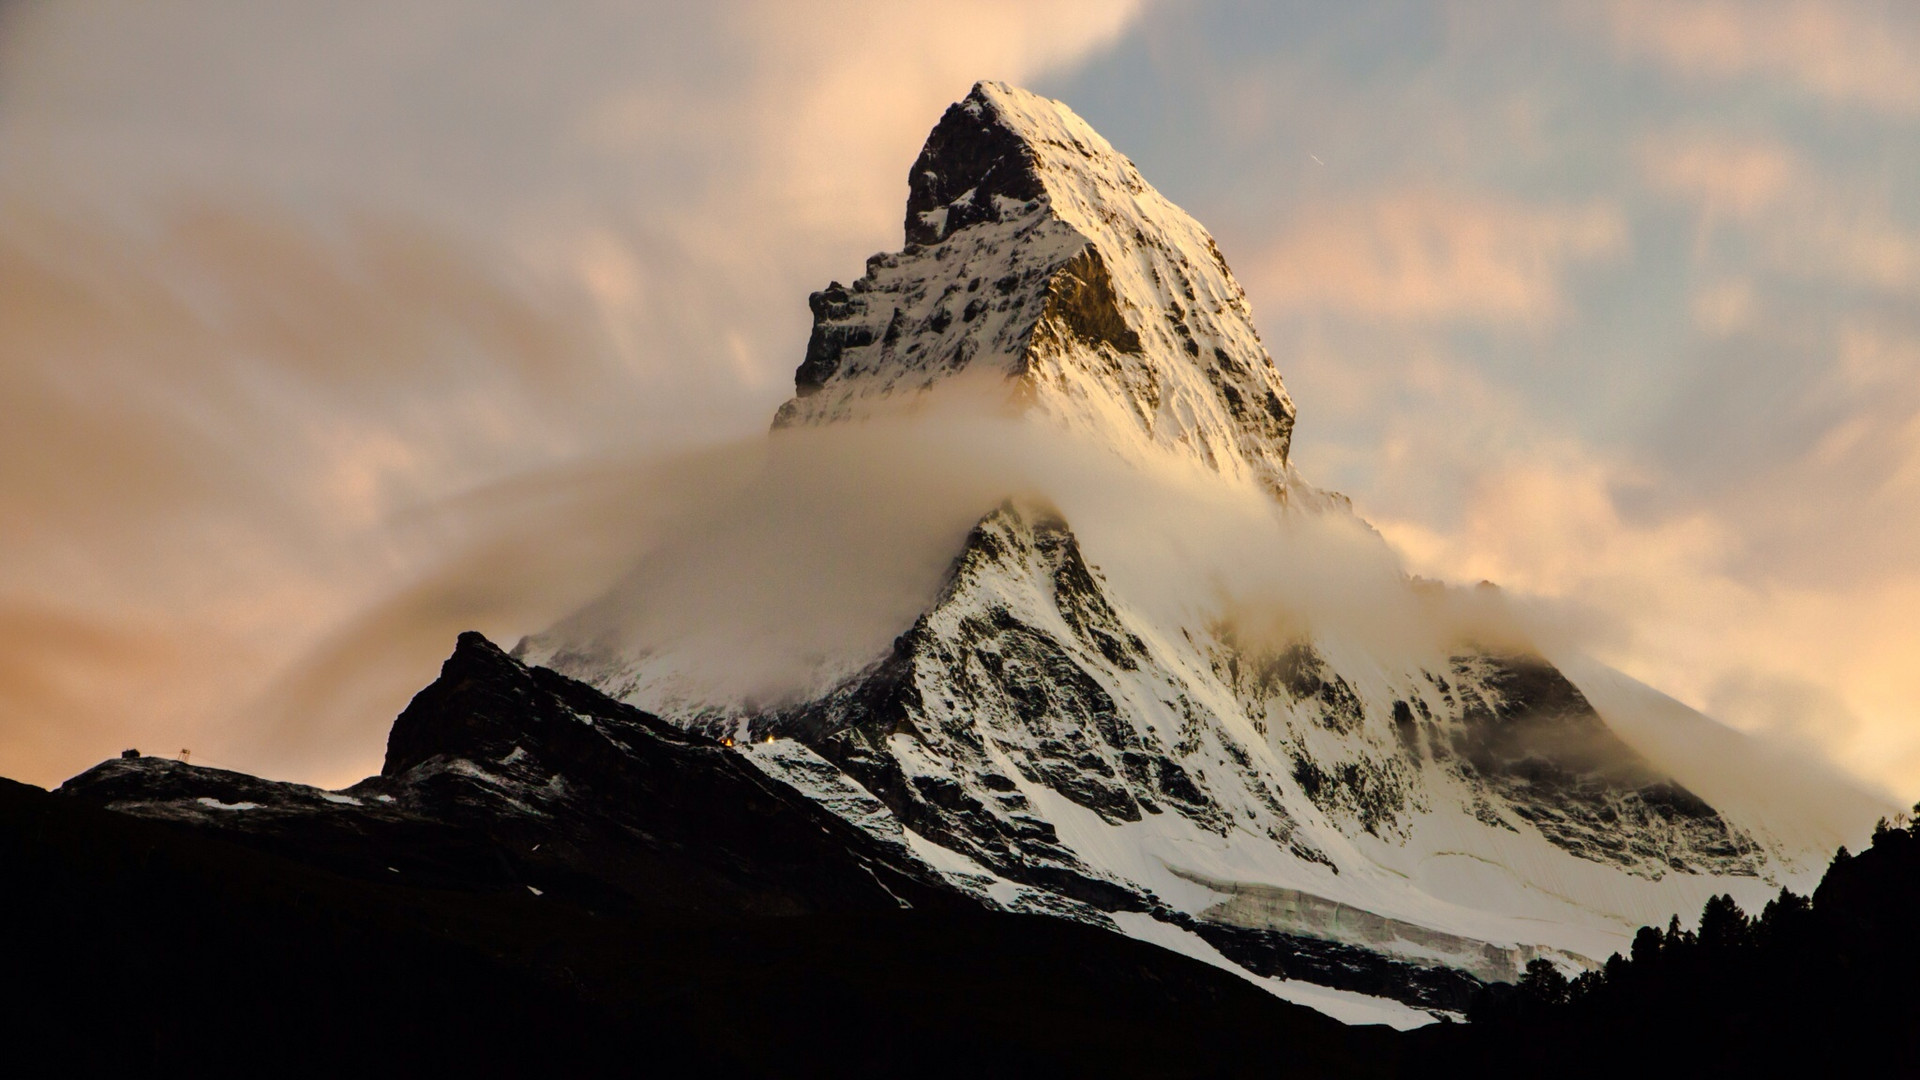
[(1543, 985), (1723, 926), (1820, 985), (1646, 948)]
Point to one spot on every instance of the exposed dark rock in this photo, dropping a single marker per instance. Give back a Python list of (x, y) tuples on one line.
[(1345, 967), (1002, 680), (145, 948), (1538, 744), (501, 777), (832, 336), (969, 151)]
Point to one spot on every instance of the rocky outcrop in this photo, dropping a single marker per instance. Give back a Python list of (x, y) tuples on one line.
[(501, 777), (1530, 737)]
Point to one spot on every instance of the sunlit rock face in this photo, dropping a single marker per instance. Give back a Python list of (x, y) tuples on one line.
[(1036, 250), (1388, 823)]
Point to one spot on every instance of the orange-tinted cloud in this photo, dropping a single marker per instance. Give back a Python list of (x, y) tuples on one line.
[(235, 405), (207, 428), (1423, 256), (1867, 249), (1865, 53), (1737, 178), (1662, 599), (1804, 223)]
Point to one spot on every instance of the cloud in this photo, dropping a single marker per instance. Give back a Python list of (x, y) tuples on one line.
[(1860, 53), (48, 660), (1722, 308), (768, 570), (1423, 256), (1761, 204), (700, 167), (1803, 372), (207, 429), (1665, 599), (1736, 178), (1867, 250), (1857, 473), (1772, 595), (1554, 528), (224, 355), (288, 297), (279, 286), (1789, 708)]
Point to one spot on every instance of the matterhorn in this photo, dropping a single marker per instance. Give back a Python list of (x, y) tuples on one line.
[(1370, 804)]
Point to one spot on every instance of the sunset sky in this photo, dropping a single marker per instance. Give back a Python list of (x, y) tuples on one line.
[(1616, 304)]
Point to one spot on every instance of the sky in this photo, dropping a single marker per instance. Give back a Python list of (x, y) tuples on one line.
[(320, 324)]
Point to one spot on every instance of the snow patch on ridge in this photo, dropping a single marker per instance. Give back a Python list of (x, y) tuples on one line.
[(796, 765), (1346, 1006)]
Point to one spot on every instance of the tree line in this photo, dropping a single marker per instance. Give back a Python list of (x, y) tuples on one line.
[(1809, 983)]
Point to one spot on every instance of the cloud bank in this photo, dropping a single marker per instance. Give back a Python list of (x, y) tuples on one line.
[(1612, 303), (282, 286)]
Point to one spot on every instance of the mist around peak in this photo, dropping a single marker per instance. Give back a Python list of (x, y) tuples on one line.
[(769, 568)]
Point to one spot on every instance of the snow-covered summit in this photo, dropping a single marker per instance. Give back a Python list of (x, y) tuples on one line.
[(1037, 250), (1081, 718)]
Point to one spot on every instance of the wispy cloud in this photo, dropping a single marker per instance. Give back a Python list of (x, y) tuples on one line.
[(1727, 177), (276, 283), (1795, 220), (1615, 309), (1865, 52), (1663, 598), (1428, 256)]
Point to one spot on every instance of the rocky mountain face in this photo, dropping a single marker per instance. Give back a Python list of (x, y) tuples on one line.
[(1301, 810), (1036, 251), (1056, 748)]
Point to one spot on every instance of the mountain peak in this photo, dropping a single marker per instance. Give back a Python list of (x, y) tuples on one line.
[(1036, 249), (1004, 143), (978, 154)]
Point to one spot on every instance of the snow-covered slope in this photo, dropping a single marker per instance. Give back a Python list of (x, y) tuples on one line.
[(1396, 822)]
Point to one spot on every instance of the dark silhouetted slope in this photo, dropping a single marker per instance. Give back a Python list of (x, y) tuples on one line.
[(150, 948)]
